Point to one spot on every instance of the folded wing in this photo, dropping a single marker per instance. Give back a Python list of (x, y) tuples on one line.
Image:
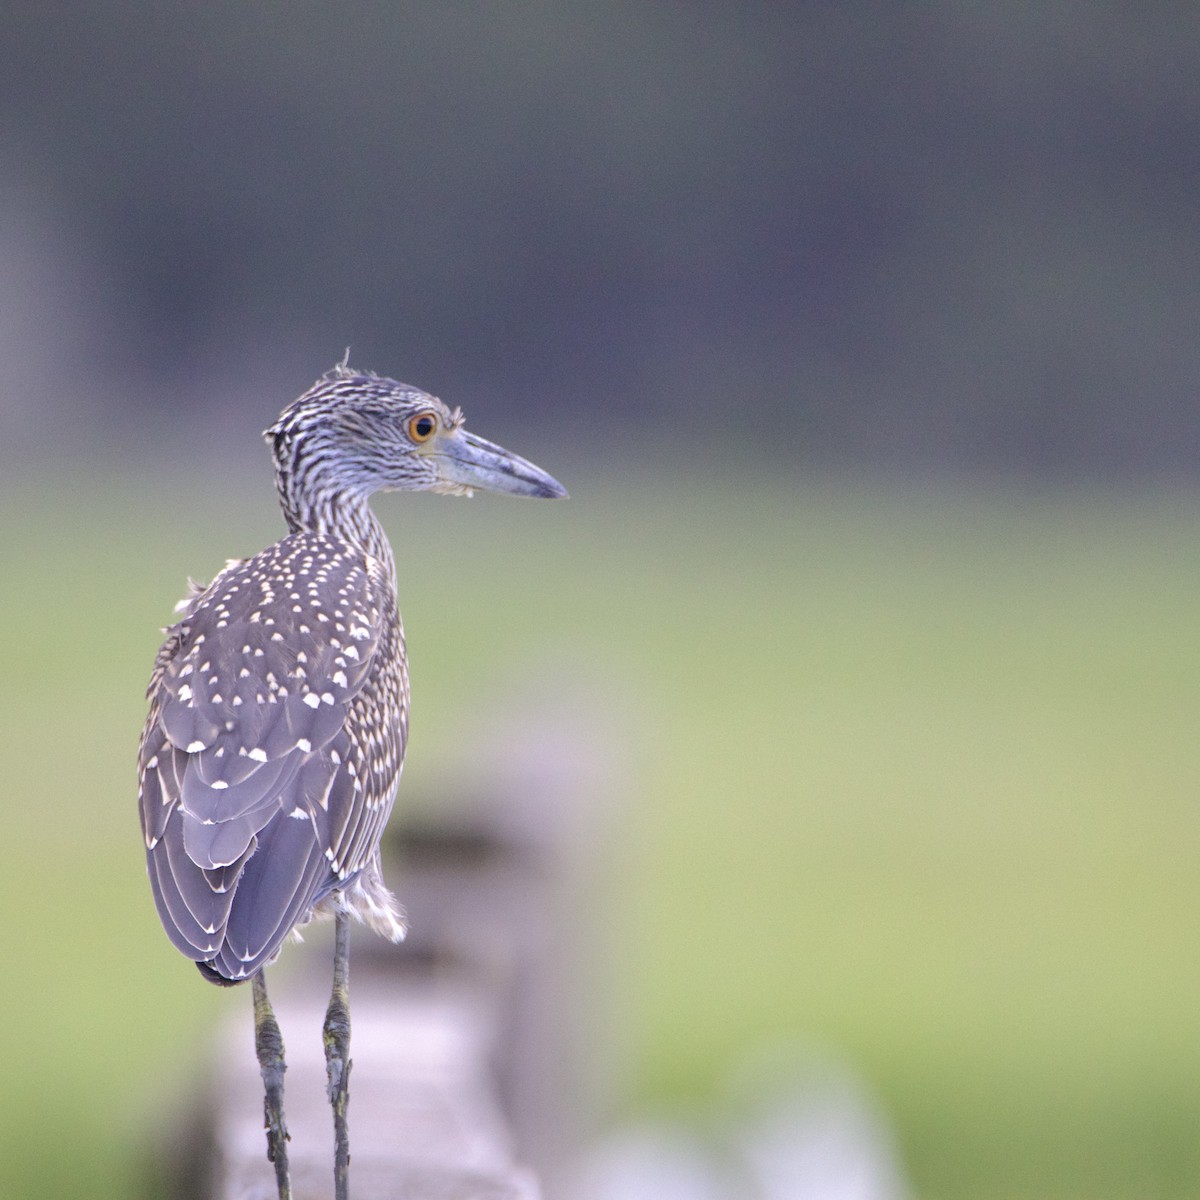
[(253, 787)]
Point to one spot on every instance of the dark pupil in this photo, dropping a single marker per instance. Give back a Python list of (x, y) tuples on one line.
[(424, 426)]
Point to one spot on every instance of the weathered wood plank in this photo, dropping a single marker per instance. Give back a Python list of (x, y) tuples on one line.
[(463, 1038), (424, 1121)]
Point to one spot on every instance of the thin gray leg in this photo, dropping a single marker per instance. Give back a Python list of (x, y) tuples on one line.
[(268, 1043), (337, 1055)]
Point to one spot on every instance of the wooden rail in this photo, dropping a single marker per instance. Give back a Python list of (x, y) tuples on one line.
[(466, 1039), (424, 1116)]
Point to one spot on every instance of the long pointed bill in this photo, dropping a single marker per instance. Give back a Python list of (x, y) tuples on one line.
[(466, 461)]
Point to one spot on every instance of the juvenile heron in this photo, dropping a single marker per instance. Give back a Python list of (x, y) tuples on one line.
[(279, 710)]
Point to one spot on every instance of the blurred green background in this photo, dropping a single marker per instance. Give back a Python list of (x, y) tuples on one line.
[(865, 342)]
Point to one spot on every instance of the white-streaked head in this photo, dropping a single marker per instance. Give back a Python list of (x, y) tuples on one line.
[(353, 433)]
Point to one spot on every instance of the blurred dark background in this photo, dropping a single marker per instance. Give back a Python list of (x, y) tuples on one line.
[(940, 236)]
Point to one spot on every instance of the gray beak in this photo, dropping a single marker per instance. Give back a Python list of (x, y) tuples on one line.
[(467, 461)]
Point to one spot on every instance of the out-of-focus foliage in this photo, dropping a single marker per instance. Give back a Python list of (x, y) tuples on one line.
[(946, 234), (911, 774)]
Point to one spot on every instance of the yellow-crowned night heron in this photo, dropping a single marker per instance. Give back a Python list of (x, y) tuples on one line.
[(279, 708)]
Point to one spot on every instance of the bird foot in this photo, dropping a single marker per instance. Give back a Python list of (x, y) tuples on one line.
[(336, 1034), (268, 1044)]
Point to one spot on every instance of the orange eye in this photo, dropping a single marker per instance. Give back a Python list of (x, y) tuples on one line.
[(422, 427)]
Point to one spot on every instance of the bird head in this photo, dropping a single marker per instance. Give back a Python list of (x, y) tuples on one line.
[(356, 432)]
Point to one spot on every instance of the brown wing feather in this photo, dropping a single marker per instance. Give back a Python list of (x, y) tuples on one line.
[(271, 695)]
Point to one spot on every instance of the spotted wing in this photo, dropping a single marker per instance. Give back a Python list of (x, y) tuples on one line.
[(253, 766)]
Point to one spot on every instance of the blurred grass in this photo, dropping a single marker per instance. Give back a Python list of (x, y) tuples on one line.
[(916, 774)]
